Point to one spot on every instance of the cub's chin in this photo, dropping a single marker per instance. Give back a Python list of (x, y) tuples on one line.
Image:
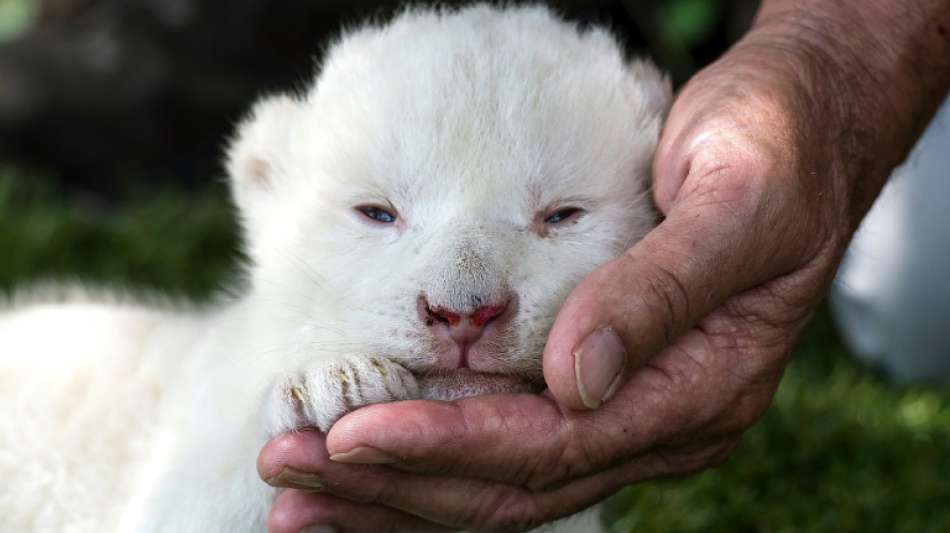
[(455, 384)]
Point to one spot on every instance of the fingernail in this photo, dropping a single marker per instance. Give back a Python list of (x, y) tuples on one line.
[(363, 455), (297, 479), (318, 529), (598, 362)]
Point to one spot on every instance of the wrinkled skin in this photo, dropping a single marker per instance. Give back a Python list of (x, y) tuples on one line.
[(768, 161)]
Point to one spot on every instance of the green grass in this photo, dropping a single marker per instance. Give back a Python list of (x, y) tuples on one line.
[(841, 449), (16, 16), (168, 241)]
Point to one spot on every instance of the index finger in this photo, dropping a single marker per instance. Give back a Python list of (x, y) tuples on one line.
[(517, 439)]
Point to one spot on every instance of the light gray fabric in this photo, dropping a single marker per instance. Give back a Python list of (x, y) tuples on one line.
[(892, 295)]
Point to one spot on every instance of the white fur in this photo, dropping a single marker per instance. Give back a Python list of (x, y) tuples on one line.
[(471, 124)]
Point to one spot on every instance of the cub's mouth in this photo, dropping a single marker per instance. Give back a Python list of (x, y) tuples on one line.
[(464, 382)]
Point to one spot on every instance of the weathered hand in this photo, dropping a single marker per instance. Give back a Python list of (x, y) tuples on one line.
[(764, 169)]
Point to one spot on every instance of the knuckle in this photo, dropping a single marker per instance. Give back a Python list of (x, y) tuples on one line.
[(665, 296), (738, 176), (559, 470), (575, 450), (748, 411), (535, 465), (685, 461), (710, 455), (686, 398), (720, 454), (591, 445), (676, 462), (539, 474)]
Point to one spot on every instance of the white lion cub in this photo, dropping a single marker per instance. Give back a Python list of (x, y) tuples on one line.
[(414, 220)]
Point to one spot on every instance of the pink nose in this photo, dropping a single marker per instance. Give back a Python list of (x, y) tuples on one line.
[(464, 329)]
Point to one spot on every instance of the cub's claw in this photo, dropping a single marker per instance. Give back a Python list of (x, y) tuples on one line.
[(318, 395)]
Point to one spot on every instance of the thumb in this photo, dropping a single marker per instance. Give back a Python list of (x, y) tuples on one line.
[(629, 309)]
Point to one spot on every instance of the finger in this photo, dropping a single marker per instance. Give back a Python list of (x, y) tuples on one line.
[(504, 438), (479, 504), (295, 511), (454, 502), (516, 439), (700, 140), (677, 146), (290, 459), (627, 310), (299, 460)]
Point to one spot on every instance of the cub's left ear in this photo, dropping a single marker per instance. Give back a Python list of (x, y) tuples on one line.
[(655, 91), (257, 156)]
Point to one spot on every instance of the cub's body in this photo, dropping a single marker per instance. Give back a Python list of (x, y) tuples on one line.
[(414, 221)]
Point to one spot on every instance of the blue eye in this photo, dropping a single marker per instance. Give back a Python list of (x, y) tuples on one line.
[(563, 215), (377, 214)]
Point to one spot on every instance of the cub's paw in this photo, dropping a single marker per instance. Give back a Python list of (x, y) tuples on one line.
[(319, 394)]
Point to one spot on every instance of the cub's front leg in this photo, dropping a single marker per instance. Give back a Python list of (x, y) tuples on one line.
[(322, 392)]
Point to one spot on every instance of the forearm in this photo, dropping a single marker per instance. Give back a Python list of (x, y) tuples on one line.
[(877, 68)]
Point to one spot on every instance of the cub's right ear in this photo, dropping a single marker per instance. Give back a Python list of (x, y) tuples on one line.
[(257, 156)]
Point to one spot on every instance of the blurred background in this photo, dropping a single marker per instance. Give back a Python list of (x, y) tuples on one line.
[(113, 114)]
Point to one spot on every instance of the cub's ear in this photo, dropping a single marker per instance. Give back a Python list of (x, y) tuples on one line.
[(655, 91), (257, 156)]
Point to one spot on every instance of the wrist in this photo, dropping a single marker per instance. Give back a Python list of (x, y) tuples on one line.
[(872, 72)]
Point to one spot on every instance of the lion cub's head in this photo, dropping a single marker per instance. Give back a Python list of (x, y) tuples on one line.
[(442, 186)]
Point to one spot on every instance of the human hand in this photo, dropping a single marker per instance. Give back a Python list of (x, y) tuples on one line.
[(764, 169)]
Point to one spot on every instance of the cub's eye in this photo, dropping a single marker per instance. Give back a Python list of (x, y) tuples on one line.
[(563, 215), (377, 213)]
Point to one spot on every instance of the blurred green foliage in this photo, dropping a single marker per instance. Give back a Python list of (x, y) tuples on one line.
[(169, 241), (686, 23), (841, 449), (15, 17)]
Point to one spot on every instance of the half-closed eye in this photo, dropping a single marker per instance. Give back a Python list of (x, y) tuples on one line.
[(378, 214), (564, 214)]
